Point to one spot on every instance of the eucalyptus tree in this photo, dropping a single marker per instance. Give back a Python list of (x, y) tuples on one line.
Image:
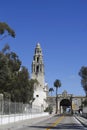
[(9, 67), (57, 84), (4, 73), (51, 90), (21, 83), (83, 75), (6, 30), (24, 90), (14, 78)]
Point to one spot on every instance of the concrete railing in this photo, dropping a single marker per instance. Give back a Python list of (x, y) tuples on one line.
[(6, 119), (17, 111)]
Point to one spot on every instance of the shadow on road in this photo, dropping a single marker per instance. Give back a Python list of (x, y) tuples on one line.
[(60, 126), (57, 115)]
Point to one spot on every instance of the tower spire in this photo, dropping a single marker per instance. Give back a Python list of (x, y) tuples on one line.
[(38, 65)]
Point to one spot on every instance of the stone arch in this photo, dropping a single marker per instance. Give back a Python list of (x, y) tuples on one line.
[(64, 105), (65, 102)]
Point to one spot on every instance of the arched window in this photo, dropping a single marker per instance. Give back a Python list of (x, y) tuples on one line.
[(37, 69), (37, 59)]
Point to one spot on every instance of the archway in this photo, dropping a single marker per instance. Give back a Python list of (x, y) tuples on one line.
[(65, 106)]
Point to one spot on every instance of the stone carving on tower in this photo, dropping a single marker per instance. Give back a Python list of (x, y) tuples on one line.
[(40, 90)]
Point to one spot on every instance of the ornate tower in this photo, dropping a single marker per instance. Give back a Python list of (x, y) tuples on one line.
[(41, 89), (38, 66)]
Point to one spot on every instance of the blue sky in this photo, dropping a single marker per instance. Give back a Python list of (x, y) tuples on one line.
[(60, 26)]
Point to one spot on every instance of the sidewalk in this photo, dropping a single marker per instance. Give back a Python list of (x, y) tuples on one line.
[(24, 123), (82, 120)]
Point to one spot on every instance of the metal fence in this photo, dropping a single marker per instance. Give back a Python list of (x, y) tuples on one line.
[(15, 111), (8, 107)]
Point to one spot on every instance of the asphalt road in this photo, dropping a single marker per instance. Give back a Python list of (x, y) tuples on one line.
[(56, 123)]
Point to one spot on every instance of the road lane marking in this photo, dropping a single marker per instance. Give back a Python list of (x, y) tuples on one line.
[(55, 123)]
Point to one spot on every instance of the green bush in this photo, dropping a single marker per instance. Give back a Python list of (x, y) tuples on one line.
[(49, 109)]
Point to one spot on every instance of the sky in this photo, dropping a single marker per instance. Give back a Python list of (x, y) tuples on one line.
[(60, 26)]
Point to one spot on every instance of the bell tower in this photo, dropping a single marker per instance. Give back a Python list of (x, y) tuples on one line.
[(37, 65), (40, 89)]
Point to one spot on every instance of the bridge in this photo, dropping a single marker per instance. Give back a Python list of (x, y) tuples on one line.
[(66, 102)]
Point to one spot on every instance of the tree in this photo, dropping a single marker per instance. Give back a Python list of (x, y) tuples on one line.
[(20, 92), (9, 67), (83, 75), (4, 73), (15, 81), (14, 61), (5, 49), (4, 27), (57, 84), (49, 109), (85, 102), (51, 90)]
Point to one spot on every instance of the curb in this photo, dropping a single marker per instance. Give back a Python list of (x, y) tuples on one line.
[(81, 121)]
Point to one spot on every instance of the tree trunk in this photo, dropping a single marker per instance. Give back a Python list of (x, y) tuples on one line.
[(56, 101)]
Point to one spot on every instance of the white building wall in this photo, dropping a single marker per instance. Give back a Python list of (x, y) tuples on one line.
[(40, 97)]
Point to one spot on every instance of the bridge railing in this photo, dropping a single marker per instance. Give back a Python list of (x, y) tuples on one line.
[(8, 107), (15, 111)]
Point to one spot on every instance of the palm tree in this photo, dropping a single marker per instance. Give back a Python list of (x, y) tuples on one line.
[(57, 84), (51, 90)]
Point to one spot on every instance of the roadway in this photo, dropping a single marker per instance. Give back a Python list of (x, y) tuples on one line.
[(56, 123)]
